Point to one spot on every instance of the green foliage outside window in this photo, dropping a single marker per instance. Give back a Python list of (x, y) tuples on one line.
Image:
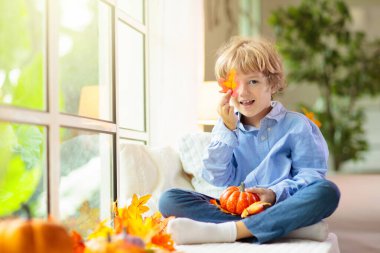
[(22, 84), (319, 48), (21, 168), (23, 52)]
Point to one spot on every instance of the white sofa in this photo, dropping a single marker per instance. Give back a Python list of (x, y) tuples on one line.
[(151, 170)]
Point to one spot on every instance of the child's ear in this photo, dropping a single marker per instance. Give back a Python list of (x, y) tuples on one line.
[(274, 88)]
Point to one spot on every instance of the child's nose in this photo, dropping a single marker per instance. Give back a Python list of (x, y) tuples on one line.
[(242, 89)]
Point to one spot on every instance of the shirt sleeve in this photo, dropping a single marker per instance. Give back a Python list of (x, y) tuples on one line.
[(219, 165), (309, 155)]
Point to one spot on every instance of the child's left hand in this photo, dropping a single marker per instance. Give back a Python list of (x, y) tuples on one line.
[(266, 195)]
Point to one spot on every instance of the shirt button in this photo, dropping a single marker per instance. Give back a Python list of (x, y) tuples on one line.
[(262, 138), (269, 129)]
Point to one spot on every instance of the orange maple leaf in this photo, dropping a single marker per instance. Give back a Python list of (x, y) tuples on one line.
[(230, 83), (78, 243), (164, 241)]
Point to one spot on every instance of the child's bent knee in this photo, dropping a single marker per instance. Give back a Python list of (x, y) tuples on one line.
[(328, 193), (168, 200)]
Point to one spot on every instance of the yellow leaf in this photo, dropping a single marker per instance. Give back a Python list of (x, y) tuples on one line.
[(144, 199), (102, 230), (136, 201), (137, 206)]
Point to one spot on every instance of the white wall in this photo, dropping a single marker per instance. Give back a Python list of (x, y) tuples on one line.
[(176, 46)]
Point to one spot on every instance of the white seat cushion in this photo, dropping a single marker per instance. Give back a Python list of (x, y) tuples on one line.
[(145, 170), (192, 148), (279, 246)]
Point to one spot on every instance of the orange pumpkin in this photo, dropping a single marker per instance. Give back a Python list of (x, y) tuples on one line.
[(235, 199), (33, 236)]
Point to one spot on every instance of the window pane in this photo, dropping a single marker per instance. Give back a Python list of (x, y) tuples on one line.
[(85, 64), (85, 183), (134, 8), (22, 61), (131, 78), (22, 168)]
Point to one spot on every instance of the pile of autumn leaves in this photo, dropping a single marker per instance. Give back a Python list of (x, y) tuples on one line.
[(131, 232)]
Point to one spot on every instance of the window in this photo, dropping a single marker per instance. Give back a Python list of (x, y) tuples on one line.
[(72, 88)]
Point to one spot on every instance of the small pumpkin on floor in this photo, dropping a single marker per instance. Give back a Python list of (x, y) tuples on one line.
[(18, 235), (235, 200)]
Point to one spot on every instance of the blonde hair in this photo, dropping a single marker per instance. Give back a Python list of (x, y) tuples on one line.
[(247, 55)]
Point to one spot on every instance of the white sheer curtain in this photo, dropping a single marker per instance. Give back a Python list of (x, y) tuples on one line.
[(176, 69)]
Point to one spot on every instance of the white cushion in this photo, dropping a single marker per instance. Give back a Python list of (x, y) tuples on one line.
[(316, 232), (192, 148), (146, 170), (283, 245), (171, 174), (138, 172)]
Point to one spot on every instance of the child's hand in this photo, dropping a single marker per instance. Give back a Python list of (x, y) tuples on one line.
[(266, 195), (227, 112)]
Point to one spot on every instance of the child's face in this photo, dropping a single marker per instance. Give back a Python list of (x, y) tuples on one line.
[(254, 95)]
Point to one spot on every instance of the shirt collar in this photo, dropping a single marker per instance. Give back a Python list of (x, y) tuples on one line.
[(277, 113)]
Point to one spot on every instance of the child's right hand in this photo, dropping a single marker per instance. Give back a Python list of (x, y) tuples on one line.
[(226, 111)]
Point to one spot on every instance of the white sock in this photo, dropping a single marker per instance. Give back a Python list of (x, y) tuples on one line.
[(187, 231)]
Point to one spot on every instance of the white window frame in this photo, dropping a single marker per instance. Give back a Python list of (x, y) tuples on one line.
[(53, 119)]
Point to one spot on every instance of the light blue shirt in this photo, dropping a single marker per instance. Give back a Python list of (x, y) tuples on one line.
[(285, 154)]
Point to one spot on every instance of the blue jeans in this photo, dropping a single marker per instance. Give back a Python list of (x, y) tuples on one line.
[(307, 206)]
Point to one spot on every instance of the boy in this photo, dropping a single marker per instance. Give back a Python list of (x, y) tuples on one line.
[(279, 155)]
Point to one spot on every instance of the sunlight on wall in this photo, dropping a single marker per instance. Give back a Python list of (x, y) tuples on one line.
[(176, 47), (209, 97)]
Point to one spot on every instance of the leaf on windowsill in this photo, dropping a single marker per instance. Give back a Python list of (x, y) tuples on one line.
[(131, 220), (151, 229), (78, 243), (138, 207), (87, 218), (102, 230), (164, 241)]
